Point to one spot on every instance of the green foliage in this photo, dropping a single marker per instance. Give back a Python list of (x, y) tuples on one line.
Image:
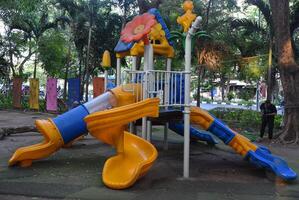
[(208, 100), (254, 69), (246, 94), (248, 121), (5, 101), (230, 95), (53, 53)]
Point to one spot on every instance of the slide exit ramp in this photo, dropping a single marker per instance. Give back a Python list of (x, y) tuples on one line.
[(258, 155)]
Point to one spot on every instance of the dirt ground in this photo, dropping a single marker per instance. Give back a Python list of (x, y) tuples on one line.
[(75, 173)]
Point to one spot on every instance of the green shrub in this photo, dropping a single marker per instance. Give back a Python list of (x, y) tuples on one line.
[(208, 100), (5, 101), (246, 94), (230, 96), (243, 118)]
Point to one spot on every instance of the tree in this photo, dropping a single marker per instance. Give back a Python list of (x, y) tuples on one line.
[(216, 57), (53, 53), (145, 5), (14, 45), (32, 19), (265, 31), (289, 69), (95, 24), (262, 31)]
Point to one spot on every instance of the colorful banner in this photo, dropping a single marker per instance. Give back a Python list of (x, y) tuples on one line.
[(51, 94), (34, 94), (17, 92), (73, 91), (98, 86)]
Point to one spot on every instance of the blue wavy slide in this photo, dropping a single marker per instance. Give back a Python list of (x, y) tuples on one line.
[(195, 133)]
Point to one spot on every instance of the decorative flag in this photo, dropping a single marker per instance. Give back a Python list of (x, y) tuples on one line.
[(51, 94), (98, 86), (34, 94), (73, 91), (17, 92)]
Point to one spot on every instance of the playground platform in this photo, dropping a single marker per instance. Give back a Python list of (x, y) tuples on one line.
[(216, 172)]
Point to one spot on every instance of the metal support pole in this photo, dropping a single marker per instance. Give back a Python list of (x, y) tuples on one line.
[(166, 100), (118, 72), (134, 63), (150, 57), (106, 80), (145, 89), (149, 131), (150, 85), (188, 51), (166, 87), (144, 128), (134, 68)]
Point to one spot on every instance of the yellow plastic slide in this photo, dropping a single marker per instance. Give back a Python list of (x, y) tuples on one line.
[(70, 125), (134, 155)]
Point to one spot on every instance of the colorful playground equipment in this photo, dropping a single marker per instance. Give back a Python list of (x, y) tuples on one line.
[(144, 94)]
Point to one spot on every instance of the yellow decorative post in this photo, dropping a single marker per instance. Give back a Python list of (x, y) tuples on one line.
[(106, 64), (186, 20)]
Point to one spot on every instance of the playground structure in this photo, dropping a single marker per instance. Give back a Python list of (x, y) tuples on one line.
[(148, 94)]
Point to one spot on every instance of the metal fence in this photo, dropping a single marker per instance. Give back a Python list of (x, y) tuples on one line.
[(168, 86)]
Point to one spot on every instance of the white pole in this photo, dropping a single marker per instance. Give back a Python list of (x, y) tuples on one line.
[(150, 57), (150, 66), (134, 68), (188, 51), (149, 131), (106, 80), (134, 63), (118, 72), (166, 90), (166, 100), (145, 89), (257, 95)]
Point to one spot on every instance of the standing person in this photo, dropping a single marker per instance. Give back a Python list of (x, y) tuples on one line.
[(268, 114)]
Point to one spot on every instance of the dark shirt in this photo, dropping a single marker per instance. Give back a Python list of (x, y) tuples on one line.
[(268, 109)]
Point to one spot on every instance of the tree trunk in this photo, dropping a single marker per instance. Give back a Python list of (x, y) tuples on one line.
[(68, 65), (227, 85), (80, 76), (87, 58), (11, 57), (271, 83), (271, 72), (289, 70), (35, 63), (222, 90), (65, 82)]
